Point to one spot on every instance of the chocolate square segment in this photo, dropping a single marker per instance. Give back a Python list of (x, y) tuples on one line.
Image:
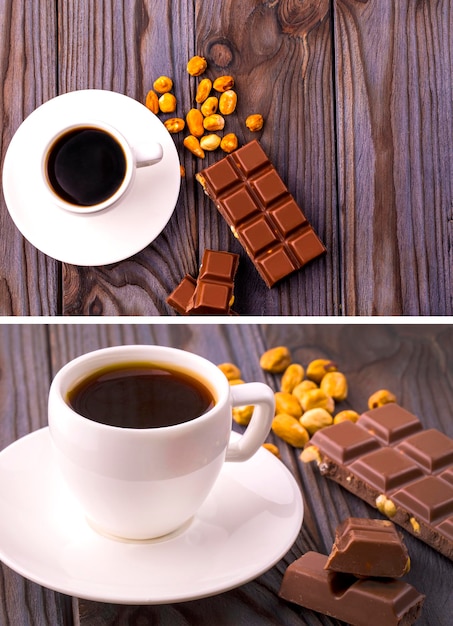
[(429, 499), (386, 469), (390, 423), (344, 442), (250, 195), (431, 449)]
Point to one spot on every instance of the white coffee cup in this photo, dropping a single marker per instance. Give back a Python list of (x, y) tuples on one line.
[(143, 483), (130, 158)]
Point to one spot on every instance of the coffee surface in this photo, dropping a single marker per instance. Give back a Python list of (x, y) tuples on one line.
[(86, 166), (140, 396)]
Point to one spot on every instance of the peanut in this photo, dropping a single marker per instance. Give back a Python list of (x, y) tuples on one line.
[(174, 124), (223, 83), (167, 103), (335, 385), (214, 122), (242, 414), (193, 145), (415, 525), (317, 369), (315, 419), (272, 448), (210, 142), (203, 90), (163, 84), (290, 430), (196, 65), (317, 399), (385, 506), (254, 122), (292, 376), (210, 106), (236, 381), (275, 360), (227, 102), (381, 397), (230, 370), (152, 102), (287, 403), (229, 143), (302, 388), (182, 171), (346, 415), (310, 453), (194, 119)]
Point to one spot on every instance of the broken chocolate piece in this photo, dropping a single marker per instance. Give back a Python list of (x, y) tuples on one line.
[(368, 547), (213, 293), (360, 602), (181, 297), (263, 215), (388, 460)]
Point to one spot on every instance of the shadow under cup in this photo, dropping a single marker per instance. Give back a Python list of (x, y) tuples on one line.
[(134, 476)]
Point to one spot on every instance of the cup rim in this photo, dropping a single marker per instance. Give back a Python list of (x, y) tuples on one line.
[(105, 204), (63, 380)]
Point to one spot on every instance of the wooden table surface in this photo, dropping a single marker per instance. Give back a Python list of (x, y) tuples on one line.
[(358, 102), (413, 361)]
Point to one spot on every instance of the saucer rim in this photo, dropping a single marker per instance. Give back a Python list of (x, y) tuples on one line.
[(221, 585), (116, 249)]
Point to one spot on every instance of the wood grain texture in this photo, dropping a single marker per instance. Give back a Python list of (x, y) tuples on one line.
[(357, 98), (24, 379), (393, 65), (277, 54), (415, 361), (28, 279)]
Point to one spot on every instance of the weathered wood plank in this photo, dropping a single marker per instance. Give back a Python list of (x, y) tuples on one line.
[(28, 278), (393, 65), (24, 381)]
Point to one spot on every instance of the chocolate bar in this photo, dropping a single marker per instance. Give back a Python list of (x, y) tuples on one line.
[(360, 602), (368, 547), (261, 212), (212, 292), (388, 460)]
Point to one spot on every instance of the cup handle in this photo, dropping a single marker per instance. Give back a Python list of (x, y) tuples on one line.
[(147, 154), (262, 397)]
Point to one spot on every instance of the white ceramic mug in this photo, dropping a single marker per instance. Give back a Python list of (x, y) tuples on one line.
[(145, 483), (140, 155)]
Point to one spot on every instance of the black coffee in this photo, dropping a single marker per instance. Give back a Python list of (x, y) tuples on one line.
[(139, 395), (86, 166)]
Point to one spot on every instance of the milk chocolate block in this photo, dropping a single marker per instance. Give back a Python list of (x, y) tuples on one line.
[(389, 460), (213, 293), (181, 297), (368, 547), (263, 215), (360, 602)]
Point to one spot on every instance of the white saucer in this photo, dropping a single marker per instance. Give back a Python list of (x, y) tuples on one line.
[(100, 238), (247, 524)]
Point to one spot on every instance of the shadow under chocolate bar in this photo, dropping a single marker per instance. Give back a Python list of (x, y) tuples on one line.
[(388, 460), (262, 214)]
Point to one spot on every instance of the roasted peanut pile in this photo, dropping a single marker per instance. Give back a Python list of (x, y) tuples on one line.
[(213, 101), (307, 399)]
